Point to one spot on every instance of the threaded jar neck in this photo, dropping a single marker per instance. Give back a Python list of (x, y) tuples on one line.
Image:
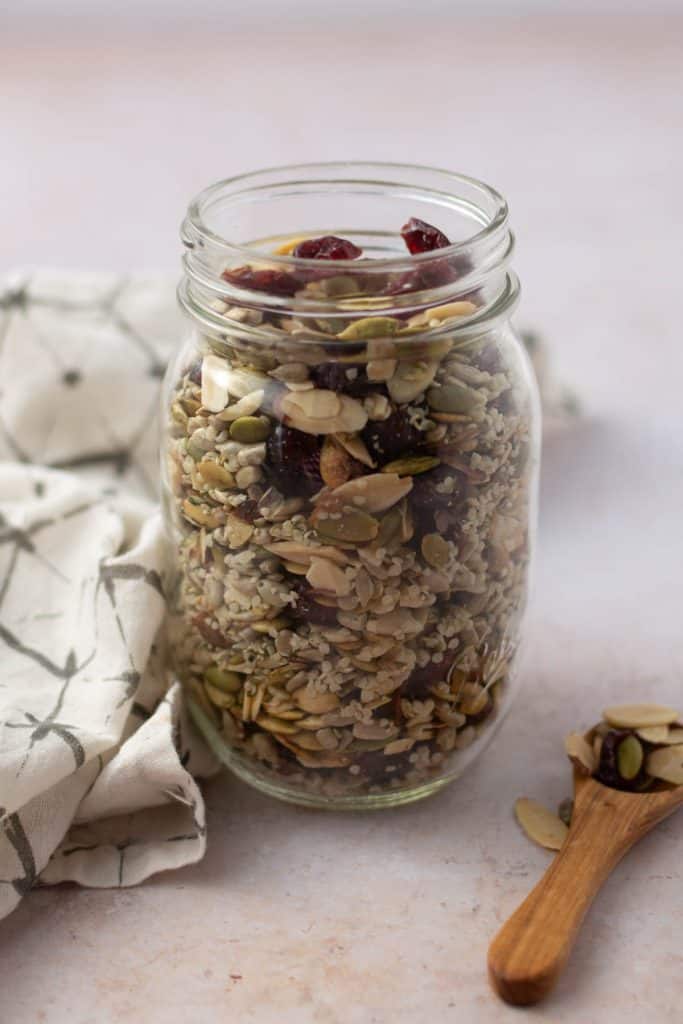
[(245, 222)]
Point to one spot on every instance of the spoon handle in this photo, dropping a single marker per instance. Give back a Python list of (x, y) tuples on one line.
[(529, 952)]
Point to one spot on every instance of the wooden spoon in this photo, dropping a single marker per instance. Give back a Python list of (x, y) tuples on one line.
[(528, 954)]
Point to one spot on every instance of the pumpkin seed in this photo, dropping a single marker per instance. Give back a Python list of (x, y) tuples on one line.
[(411, 465), (435, 550), (350, 526), (223, 679), (540, 824), (565, 811), (629, 758), (250, 429), (455, 398), (580, 753), (411, 379), (639, 716), (666, 764), (370, 327)]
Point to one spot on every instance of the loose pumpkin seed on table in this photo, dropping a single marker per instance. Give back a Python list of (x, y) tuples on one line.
[(348, 615)]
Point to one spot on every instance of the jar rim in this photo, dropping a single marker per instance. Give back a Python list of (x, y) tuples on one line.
[(493, 220)]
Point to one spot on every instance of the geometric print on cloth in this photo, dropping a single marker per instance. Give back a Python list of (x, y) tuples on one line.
[(97, 762)]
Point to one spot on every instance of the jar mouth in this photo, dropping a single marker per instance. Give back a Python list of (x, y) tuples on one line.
[(443, 190)]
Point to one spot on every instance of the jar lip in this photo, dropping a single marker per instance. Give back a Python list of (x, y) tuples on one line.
[(495, 220)]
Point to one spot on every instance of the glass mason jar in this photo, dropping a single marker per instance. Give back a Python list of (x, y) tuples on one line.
[(349, 476)]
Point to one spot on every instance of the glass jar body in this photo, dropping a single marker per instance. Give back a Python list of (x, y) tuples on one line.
[(350, 544)]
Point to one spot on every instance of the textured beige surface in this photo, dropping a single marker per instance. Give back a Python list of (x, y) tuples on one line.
[(299, 917)]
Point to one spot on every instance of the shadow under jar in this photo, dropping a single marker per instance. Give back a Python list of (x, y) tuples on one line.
[(349, 468)]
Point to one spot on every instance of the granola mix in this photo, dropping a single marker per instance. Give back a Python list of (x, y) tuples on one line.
[(349, 511)]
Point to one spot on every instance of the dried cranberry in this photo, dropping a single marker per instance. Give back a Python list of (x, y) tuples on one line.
[(335, 377), (247, 511), (194, 372), (272, 282), (210, 633), (307, 609), (420, 236), (390, 438), (418, 684), (432, 492), (293, 460), (327, 247), (374, 764), (488, 359)]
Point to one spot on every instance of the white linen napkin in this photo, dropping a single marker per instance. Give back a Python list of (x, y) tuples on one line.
[(91, 737)]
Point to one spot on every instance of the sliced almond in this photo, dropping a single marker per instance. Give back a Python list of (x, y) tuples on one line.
[(411, 379), (292, 551), (315, 403), (328, 577), (350, 418), (666, 764), (315, 703), (654, 733), (244, 407), (639, 716), (375, 492), (580, 753), (540, 824), (203, 515), (400, 622), (215, 380)]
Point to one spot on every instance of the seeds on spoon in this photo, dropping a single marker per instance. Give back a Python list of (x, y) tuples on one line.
[(540, 824)]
